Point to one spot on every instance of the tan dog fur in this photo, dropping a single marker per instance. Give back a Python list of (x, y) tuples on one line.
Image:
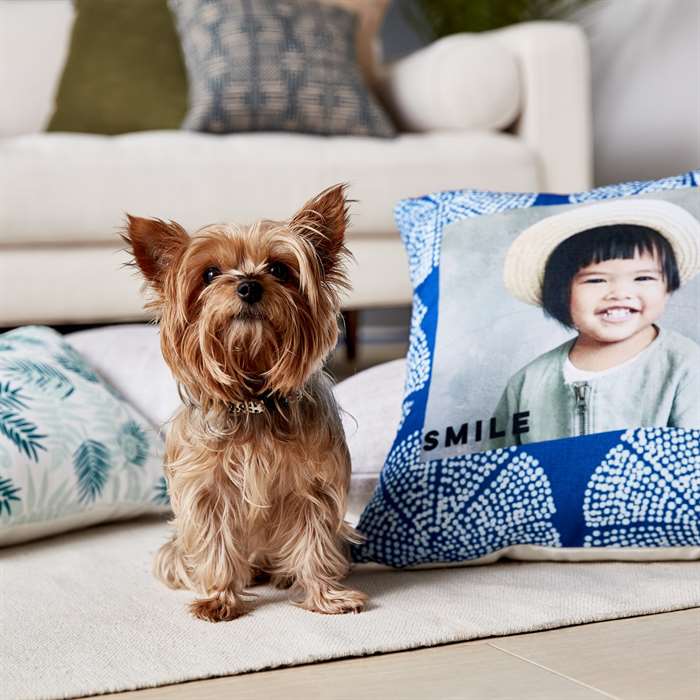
[(253, 492)]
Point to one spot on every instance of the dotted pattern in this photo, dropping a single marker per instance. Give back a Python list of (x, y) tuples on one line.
[(462, 508), (406, 407), (418, 359), (628, 189), (457, 509), (646, 492), (421, 222)]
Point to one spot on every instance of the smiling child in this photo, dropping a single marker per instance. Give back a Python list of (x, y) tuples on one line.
[(606, 271)]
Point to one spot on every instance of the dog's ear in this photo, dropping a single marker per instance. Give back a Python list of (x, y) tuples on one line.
[(323, 221), (155, 244)]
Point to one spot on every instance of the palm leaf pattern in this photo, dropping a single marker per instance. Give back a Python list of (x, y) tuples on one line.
[(22, 433), (11, 398), (161, 496), (26, 339), (73, 362), (7, 493), (40, 375), (134, 443), (92, 464)]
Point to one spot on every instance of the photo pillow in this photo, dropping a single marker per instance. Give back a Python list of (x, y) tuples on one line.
[(72, 451), (552, 393)]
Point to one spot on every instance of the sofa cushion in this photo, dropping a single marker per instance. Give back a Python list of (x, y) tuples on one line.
[(465, 81), (73, 452), (504, 449), (197, 178), (34, 40), (43, 27), (370, 14), (275, 65), (125, 70)]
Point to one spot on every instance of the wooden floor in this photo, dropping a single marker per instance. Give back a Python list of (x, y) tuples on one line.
[(656, 657)]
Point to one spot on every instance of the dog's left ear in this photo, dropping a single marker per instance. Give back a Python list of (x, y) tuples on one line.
[(323, 221)]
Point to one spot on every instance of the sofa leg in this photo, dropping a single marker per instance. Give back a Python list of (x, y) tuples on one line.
[(350, 318)]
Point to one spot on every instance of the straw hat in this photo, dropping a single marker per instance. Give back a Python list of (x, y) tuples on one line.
[(523, 271)]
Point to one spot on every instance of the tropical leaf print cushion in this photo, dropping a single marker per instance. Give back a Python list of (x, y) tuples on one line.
[(72, 452)]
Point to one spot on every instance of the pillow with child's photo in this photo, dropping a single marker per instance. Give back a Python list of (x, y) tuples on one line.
[(73, 452), (552, 393)]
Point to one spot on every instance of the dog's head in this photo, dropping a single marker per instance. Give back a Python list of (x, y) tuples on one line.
[(246, 311)]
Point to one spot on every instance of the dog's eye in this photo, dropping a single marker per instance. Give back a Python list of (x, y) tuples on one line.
[(280, 271), (210, 273)]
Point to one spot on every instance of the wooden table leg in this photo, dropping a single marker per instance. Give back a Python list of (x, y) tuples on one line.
[(350, 319)]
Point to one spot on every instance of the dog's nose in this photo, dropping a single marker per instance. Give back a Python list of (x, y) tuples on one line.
[(250, 291)]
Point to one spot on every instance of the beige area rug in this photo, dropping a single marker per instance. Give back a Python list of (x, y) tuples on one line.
[(80, 613)]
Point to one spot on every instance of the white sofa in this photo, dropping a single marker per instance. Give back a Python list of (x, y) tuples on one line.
[(506, 110)]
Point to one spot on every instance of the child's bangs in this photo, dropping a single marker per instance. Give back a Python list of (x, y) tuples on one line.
[(624, 242)]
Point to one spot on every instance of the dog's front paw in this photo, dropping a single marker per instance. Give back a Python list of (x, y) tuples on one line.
[(219, 608), (170, 568), (334, 601)]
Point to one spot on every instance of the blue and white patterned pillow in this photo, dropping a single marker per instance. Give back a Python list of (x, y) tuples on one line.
[(72, 452), (621, 494), (275, 65)]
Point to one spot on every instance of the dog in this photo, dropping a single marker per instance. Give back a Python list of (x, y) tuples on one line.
[(255, 459)]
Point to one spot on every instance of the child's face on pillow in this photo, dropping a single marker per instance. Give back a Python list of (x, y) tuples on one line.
[(615, 299)]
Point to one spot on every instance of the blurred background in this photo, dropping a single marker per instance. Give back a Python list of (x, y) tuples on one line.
[(514, 95)]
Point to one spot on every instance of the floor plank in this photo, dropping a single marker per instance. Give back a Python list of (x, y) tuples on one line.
[(642, 658), (468, 671)]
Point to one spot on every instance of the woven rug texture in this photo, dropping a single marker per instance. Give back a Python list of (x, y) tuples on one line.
[(81, 614)]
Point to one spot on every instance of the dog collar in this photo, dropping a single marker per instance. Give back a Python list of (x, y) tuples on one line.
[(261, 405)]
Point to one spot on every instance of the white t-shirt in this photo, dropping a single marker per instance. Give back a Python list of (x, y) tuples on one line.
[(574, 374)]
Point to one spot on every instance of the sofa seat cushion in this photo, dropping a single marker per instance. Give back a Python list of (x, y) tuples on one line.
[(85, 184)]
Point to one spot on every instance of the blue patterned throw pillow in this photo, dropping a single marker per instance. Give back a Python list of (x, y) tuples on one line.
[(552, 392), (72, 452), (275, 65)]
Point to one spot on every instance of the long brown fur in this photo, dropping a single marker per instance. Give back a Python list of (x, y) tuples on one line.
[(253, 493)]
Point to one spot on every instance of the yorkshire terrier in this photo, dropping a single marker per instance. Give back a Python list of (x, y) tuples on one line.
[(256, 461)]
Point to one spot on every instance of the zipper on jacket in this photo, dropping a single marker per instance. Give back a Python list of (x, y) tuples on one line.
[(582, 392)]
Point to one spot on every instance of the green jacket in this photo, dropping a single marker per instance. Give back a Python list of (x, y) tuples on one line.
[(660, 388)]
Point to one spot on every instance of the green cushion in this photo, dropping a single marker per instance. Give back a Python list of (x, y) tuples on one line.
[(125, 70)]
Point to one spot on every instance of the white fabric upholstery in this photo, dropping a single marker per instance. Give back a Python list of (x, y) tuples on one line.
[(129, 358), (371, 403), (34, 36), (555, 121), (67, 188), (464, 81)]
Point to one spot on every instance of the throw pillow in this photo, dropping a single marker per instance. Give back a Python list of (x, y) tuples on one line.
[(275, 65), (371, 14), (568, 434), (124, 71), (72, 452)]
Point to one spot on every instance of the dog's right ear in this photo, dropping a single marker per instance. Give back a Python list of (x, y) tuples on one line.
[(155, 244)]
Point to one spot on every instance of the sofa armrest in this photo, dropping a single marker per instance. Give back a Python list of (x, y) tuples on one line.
[(532, 78), (556, 117), (463, 81)]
